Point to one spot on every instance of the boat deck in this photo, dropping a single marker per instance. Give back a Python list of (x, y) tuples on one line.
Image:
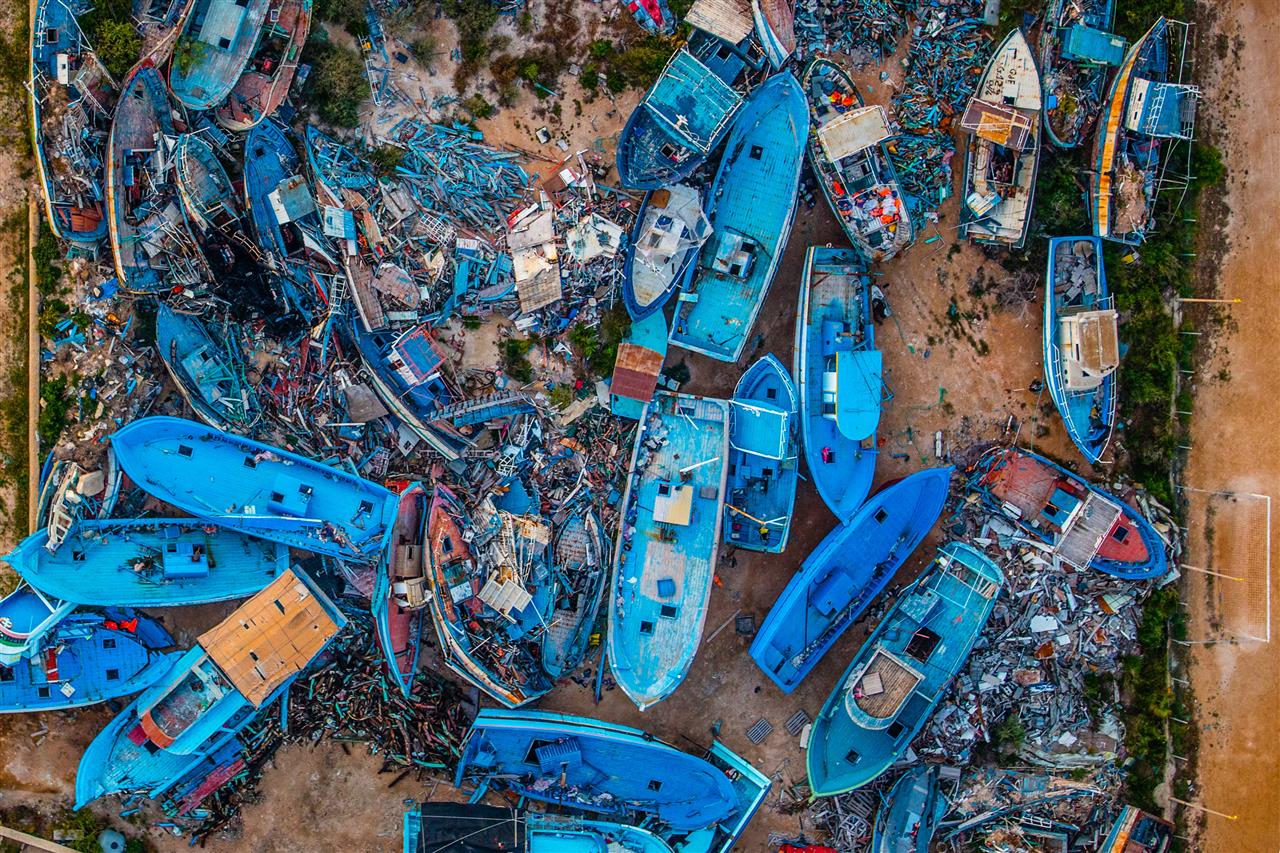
[(753, 202), (266, 81), (836, 290), (763, 460), (220, 36), (91, 665), (667, 544), (141, 114), (150, 563)]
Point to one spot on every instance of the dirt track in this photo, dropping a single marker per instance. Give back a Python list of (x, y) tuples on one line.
[(1235, 445)]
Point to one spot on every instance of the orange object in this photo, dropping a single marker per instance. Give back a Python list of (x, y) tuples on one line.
[(716, 580)]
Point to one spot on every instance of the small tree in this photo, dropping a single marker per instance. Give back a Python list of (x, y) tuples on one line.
[(118, 46)]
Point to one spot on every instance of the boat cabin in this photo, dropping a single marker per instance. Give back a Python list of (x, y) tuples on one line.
[(735, 255), (878, 692), (1089, 342)]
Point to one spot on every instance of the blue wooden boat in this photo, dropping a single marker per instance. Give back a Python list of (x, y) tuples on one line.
[(620, 773), (751, 206), (909, 815), (1081, 342), (151, 244), (837, 369), (902, 671), (435, 827), (256, 488), (1003, 152), (399, 596), (1076, 53), (211, 692), (669, 229), (1085, 526), (204, 188), (850, 157), (487, 616), (638, 366), (1136, 831), (286, 220), (580, 570), (763, 458), (153, 562), (271, 67), (86, 658), (684, 115), (668, 537), (27, 615), (404, 370), (844, 574), (208, 369), (213, 50), (69, 139), (1147, 113)]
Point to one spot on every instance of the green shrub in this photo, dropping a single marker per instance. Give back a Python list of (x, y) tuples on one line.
[(118, 46), (515, 359), (338, 85)]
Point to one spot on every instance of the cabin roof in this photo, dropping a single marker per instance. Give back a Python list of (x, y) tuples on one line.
[(272, 637), (726, 19), (853, 131)]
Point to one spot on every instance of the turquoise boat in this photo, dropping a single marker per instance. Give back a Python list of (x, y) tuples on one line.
[(211, 692), (27, 615), (213, 50), (763, 459), (844, 574), (1081, 343), (580, 569), (909, 815), (152, 562), (638, 366), (256, 488), (902, 671), (837, 370), (665, 555), (1076, 56), (752, 205), (208, 369)]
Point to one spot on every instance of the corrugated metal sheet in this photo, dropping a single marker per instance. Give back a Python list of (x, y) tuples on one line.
[(856, 130), (635, 373), (726, 19)]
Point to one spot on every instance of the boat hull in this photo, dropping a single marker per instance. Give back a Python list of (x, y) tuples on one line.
[(909, 817), (578, 554), (844, 575), (399, 627), (763, 459)]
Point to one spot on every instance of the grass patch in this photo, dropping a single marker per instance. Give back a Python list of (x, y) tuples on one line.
[(515, 359), (55, 411), (1148, 699)]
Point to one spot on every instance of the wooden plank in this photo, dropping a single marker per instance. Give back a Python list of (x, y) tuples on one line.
[(32, 841)]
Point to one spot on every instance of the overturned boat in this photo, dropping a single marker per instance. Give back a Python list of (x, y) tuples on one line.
[(669, 230), (844, 574), (256, 488), (72, 98), (838, 376), (1081, 342), (902, 671), (668, 538), (580, 569), (620, 773), (909, 815), (271, 67), (153, 562), (213, 50), (151, 243), (1076, 55), (1084, 526), (763, 458), (693, 103), (488, 608), (1148, 112), (1003, 153), (208, 368), (400, 589), (752, 205), (850, 158), (210, 693)]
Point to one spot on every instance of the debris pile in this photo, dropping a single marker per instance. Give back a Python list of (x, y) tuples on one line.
[(868, 31)]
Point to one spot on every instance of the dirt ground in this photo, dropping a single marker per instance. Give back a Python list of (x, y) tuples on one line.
[(1237, 683)]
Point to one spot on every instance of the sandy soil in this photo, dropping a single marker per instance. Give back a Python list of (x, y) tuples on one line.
[(1236, 684)]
